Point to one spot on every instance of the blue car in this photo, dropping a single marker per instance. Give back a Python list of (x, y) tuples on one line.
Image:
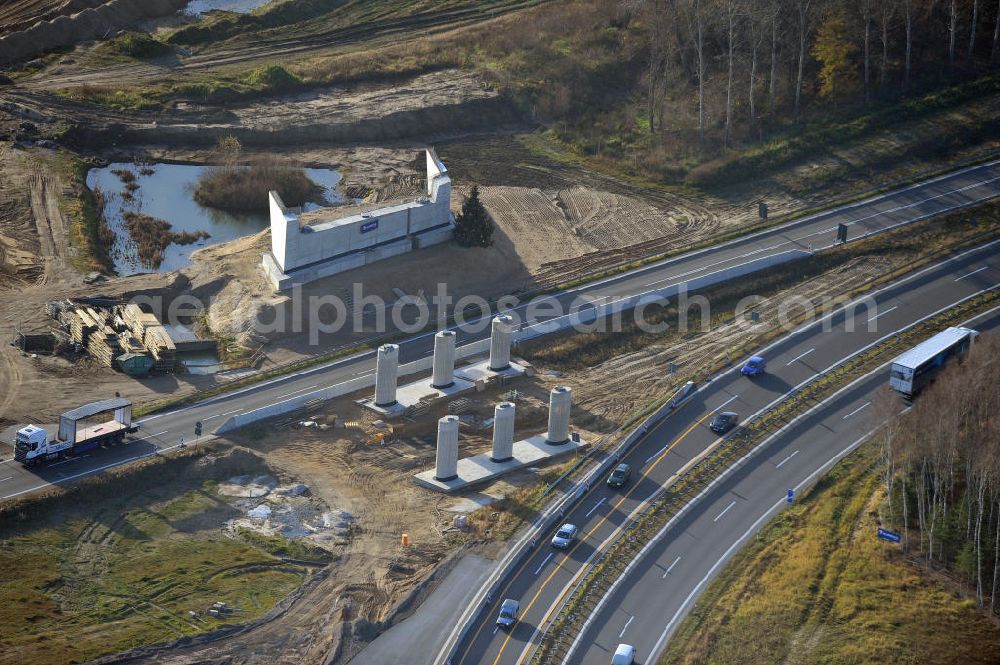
[(754, 367)]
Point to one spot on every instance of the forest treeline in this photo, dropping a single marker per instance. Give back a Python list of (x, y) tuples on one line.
[(941, 469), (668, 85), (773, 54)]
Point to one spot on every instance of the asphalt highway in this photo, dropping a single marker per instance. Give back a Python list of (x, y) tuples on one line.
[(168, 430), (649, 603), (544, 578)]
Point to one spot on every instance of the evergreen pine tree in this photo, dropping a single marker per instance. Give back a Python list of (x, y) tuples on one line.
[(473, 226)]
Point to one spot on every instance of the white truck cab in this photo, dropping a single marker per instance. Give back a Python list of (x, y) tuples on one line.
[(32, 444)]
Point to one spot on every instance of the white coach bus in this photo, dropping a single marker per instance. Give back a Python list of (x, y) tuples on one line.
[(916, 368)]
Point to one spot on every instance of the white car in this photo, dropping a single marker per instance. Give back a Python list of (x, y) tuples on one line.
[(564, 536), (624, 655)]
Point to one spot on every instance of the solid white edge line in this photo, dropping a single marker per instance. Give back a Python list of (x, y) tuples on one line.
[(725, 472), (473, 607), (660, 643)]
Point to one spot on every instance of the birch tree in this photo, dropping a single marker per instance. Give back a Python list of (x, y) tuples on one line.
[(803, 8), (866, 25), (731, 15)]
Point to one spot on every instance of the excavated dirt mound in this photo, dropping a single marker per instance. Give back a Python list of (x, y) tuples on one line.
[(18, 15), (92, 19)]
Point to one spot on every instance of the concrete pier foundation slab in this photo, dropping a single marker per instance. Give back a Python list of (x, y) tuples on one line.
[(481, 371), (481, 469), (412, 394)]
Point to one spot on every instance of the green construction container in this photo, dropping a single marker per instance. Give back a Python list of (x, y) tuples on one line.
[(134, 364)]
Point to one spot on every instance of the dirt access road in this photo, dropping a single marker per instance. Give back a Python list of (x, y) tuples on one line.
[(270, 47)]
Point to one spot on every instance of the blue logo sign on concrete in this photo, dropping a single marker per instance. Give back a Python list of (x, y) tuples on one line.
[(369, 226), (891, 536), (790, 496)]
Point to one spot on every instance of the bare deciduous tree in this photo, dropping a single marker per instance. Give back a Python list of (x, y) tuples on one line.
[(908, 29), (865, 7), (731, 9), (803, 8), (952, 29), (885, 18), (972, 30), (996, 36)]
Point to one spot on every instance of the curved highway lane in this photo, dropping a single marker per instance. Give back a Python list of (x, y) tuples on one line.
[(544, 578), (169, 430), (649, 604)]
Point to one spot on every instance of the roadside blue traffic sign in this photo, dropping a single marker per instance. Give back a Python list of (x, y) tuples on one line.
[(891, 536), (791, 496)]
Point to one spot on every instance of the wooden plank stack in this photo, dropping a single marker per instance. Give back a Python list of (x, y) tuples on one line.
[(103, 345), (147, 329), (81, 325)]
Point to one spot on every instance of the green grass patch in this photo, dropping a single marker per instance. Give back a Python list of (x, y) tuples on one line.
[(817, 586), (272, 78), (140, 45), (88, 572), (235, 86)]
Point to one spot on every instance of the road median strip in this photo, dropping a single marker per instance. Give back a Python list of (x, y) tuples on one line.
[(635, 536)]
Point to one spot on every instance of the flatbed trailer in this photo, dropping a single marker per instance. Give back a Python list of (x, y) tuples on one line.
[(34, 445)]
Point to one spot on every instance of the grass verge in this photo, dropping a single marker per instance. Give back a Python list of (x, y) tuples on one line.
[(817, 586), (611, 564), (89, 234), (119, 560)]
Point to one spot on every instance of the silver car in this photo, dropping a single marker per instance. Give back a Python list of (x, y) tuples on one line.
[(508, 613), (564, 536)]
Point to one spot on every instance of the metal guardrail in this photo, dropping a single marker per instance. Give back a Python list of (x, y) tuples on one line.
[(555, 511), (519, 551), (666, 502)]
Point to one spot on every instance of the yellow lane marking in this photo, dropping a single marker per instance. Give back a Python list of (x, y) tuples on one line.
[(590, 533)]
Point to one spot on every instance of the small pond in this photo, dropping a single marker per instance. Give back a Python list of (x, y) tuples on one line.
[(202, 7), (166, 191)]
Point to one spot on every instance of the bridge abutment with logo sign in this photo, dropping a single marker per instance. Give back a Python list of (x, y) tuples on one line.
[(306, 246)]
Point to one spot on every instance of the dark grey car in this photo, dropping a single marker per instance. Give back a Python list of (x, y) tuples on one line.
[(724, 422)]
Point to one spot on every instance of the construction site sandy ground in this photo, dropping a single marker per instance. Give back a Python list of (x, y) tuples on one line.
[(556, 220), (353, 465), (366, 470)]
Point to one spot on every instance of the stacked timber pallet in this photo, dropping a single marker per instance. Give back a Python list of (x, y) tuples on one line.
[(82, 325), (148, 330), (89, 328), (103, 345)]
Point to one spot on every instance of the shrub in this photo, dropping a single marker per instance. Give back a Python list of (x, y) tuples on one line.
[(272, 78), (138, 45), (152, 235), (246, 187)]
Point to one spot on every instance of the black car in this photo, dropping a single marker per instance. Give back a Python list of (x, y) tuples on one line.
[(723, 422), (620, 475)]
